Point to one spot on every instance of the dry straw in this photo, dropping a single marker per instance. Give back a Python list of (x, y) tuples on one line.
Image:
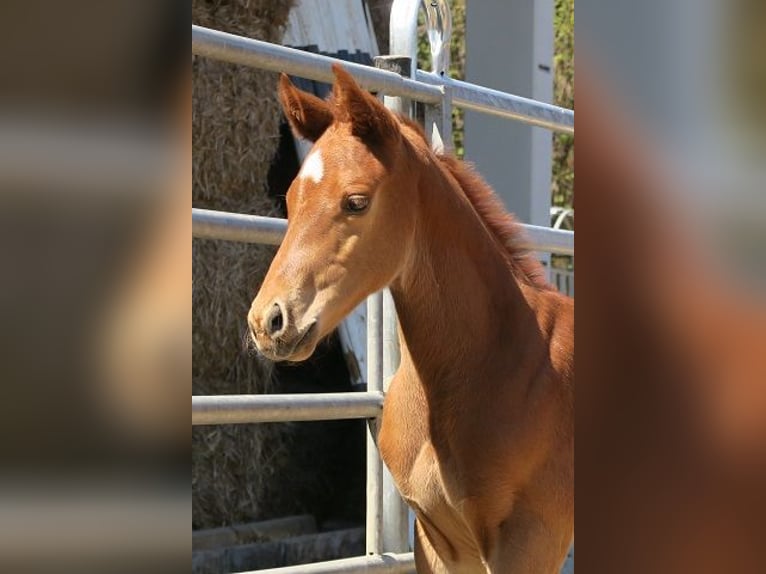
[(239, 473)]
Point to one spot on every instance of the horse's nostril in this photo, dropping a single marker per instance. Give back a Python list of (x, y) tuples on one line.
[(276, 319)]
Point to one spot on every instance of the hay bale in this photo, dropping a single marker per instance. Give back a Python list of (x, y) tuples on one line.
[(261, 19), (237, 472), (225, 277), (236, 121), (236, 132)]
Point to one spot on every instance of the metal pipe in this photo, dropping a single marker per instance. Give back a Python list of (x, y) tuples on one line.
[(495, 102), (439, 32), (375, 342), (403, 27), (438, 124), (383, 564), (391, 355), (548, 240), (403, 66), (243, 409), (222, 225), (208, 224), (256, 53), (374, 512), (438, 118), (267, 56), (395, 526), (402, 42)]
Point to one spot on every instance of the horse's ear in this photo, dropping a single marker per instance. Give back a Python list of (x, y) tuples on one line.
[(308, 115), (369, 119)]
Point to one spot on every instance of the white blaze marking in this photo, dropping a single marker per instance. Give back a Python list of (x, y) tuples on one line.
[(313, 167)]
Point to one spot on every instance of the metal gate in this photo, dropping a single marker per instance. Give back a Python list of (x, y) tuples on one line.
[(387, 525)]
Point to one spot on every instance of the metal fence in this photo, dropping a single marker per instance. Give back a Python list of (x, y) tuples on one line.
[(562, 270), (387, 525)]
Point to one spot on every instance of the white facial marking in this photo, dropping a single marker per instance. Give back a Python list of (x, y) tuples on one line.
[(313, 167)]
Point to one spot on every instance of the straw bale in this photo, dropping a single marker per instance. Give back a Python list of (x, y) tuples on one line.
[(236, 132), (262, 19), (236, 471), (236, 121)]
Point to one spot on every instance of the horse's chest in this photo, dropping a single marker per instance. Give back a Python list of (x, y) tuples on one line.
[(411, 459), (422, 485), (424, 490), (406, 448)]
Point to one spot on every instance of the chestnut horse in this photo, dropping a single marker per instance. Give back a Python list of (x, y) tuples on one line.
[(477, 426)]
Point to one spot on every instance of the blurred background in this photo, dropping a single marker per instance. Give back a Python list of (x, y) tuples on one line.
[(95, 170), (95, 164), (671, 321)]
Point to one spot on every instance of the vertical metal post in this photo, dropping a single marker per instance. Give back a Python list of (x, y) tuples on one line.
[(395, 527), (403, 29), (391, 355), (395, 512), (374, 464), (438, 123), (439, 31), (402, 66), (438, 119), (403, 42), (403, 46)]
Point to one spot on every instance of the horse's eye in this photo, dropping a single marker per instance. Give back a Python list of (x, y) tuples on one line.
[(356, 203)]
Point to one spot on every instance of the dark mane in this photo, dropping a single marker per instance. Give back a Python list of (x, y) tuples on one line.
[(503, 225)]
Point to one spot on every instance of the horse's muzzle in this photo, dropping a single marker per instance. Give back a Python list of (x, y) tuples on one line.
[(277, 337)]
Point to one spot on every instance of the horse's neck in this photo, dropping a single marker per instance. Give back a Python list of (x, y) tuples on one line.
[(457, 299)]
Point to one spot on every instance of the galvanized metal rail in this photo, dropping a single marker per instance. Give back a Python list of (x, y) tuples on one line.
[(429, 88), (497, 103), (221, 225), (239, 227), (258, 54), (245, 409), (387, 563)]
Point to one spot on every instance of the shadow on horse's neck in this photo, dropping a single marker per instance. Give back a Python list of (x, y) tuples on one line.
[(457, 298)]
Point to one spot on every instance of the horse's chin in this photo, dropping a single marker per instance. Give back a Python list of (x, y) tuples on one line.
[(306, 345), (301, 350), (300, 355), (294, 356)]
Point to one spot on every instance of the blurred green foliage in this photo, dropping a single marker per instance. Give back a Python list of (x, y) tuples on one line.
[(562, 182)]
